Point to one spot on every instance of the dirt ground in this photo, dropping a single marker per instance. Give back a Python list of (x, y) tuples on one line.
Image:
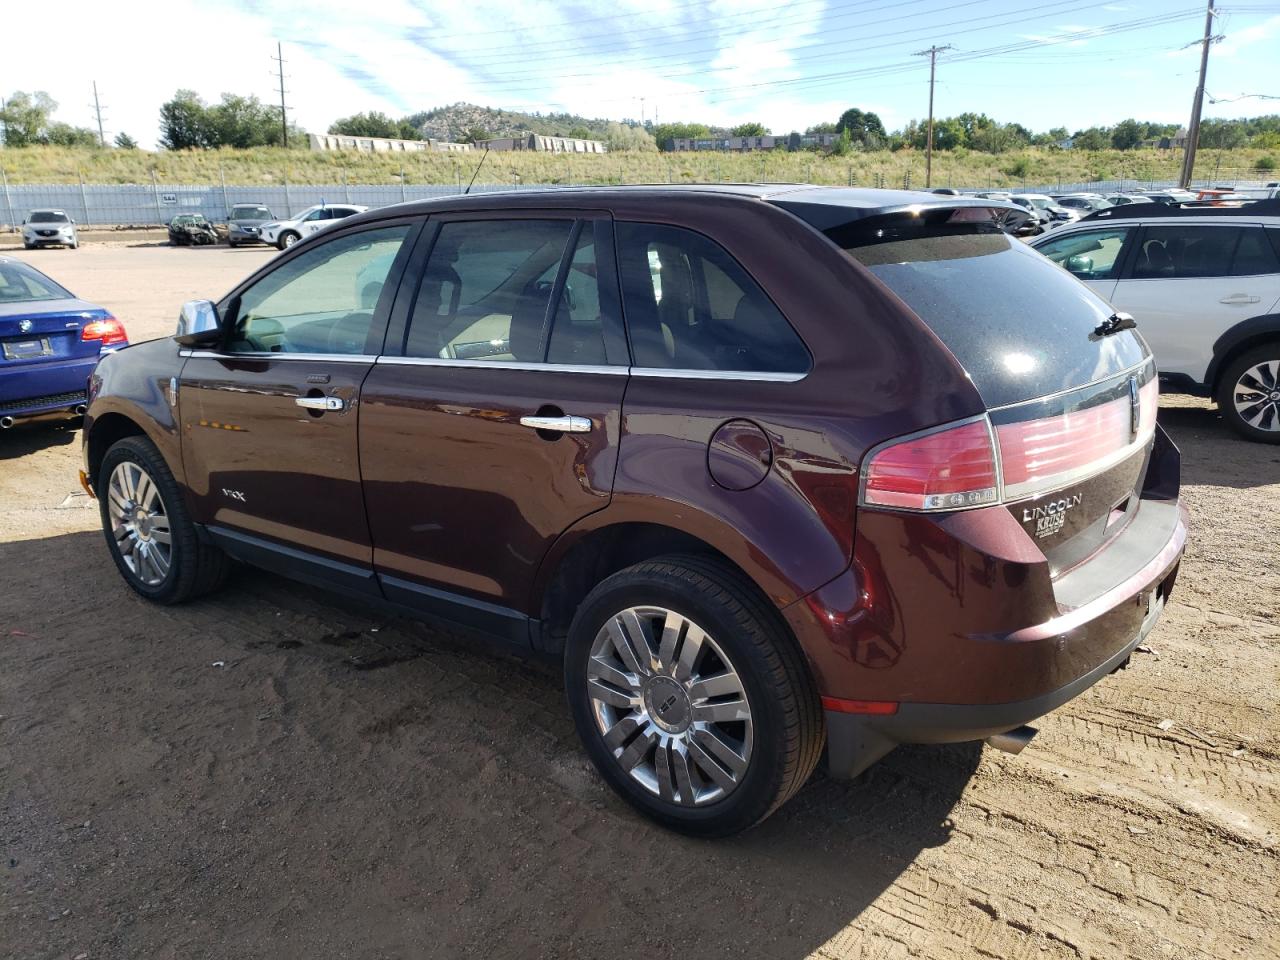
[(273, 773)]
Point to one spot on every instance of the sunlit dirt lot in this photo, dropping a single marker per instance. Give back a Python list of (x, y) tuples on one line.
[(270, 772)]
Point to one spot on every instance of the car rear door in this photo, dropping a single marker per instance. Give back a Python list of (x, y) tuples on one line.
[(492, 422), (1185, 289), (269, 418)]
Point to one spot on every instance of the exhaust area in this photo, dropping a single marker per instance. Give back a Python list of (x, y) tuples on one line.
[(80, 409), (1014, 740), (6, 423)]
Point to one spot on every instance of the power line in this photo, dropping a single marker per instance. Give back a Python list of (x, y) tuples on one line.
[(932, 54)]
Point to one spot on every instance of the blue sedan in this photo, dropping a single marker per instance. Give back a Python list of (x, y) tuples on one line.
[(50, 341)]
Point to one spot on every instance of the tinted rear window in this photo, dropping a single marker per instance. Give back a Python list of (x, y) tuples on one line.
[(1021, 327), (20, 283)]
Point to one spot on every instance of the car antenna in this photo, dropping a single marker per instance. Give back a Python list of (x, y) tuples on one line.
[(477, 173)]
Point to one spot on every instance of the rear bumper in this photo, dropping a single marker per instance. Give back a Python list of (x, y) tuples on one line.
[(41, 388)]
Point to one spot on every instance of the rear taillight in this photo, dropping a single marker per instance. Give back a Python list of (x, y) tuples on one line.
[(106, 331), (947, 469), (955, 467)]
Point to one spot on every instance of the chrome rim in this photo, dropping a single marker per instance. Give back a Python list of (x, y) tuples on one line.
[(670, 706), (139, 523), (1257, 396)]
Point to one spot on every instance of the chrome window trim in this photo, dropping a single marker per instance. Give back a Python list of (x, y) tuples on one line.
[(618, 370), (502, 365), (331, 357), (1141, 365)]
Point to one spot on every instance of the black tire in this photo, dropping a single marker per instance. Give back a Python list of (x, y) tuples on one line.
[(28, 246), (1268, 428), (195, 568), (786, 716), (287, 239)]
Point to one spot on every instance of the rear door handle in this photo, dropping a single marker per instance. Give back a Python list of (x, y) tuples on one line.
[(1240, 298), (321, 403), (558, 424)]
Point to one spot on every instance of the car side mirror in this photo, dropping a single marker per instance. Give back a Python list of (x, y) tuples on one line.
[(1079, 264), (198, 324), (73, 223)]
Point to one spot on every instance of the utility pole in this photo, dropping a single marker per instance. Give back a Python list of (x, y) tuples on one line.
[(284, 113), (1193, 128), (97, 109), (932, 54)]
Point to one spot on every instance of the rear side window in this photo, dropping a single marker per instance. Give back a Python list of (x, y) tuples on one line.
[(1087, 254), (690, 306), (1254, 254), (486, 289), (1179, 252)]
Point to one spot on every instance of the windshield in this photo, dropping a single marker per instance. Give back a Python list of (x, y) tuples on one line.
[(22, 284), (250, 213), (1020, 326), (49, 216)]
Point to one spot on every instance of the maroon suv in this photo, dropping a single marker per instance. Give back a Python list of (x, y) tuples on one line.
[(769, 469)]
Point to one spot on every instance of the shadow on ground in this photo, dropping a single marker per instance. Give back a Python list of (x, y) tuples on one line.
[(271, 772)]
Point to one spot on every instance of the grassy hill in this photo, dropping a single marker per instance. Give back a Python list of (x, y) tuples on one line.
[(455, 121), (33, 165)]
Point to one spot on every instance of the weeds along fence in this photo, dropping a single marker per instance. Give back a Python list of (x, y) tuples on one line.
[(155, 204)]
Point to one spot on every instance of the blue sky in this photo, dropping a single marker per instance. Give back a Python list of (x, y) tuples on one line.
[(1071, 63)]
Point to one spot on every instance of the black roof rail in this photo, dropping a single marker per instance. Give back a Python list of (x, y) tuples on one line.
[(1192, 208)]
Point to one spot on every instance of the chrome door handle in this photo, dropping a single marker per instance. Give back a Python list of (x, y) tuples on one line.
[(321, 403), (558, 424), (1239, 298)]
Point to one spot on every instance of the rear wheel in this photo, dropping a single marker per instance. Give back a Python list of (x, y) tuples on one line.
[(1249, 394), (151, 538), (690, 696)]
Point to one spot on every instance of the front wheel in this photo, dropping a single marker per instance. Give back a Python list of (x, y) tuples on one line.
[(1249, 394), (288, 239), (690, 696), (151, 538)]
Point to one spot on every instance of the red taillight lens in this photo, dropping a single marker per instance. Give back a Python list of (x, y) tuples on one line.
[(107, 331), (1037, 455), (945, 470)]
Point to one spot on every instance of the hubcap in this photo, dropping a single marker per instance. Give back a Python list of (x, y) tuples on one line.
[(139, 523), (1257, 396), (670, 706)]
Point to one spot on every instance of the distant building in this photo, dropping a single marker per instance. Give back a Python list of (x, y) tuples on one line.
[(1176, 142), (543, 144), (1066, 144), (339, 141), (739, 144), (819, 139)]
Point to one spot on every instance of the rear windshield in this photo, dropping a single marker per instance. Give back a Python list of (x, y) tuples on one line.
[(1021, 327), (21, 284), (250, 213), (48, 216)]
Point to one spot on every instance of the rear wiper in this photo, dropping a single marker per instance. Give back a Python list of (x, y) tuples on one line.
[(1113, 324)]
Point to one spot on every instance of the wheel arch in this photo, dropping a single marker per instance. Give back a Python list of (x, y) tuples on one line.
[(107, 430), (1244, 336)]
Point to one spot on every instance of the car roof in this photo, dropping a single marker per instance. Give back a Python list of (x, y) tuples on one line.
[(1255, 210), (824, 205)]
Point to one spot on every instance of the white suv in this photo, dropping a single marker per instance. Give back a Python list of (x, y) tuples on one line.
[(285, 233), (1203, 284)]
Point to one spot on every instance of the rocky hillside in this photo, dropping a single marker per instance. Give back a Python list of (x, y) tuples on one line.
[(464, 121)]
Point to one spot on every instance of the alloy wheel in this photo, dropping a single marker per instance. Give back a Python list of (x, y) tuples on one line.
[(1256, 396), (139, 523), (670, 706)]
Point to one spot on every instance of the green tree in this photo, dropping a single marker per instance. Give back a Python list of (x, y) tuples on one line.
[(1128, 134), (581, 133), (1095, 138), (126, 142), (864, 128), (620, 137), (65, 135), (794, 141), (749, 130), (822, 128), (1223, 134), (26, 117), (843, 146), (185, 123), (374, 124)]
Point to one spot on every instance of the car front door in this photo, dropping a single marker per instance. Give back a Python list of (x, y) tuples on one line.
[(492, 423), (269, 417), (1093, 256), (1187, 284)]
